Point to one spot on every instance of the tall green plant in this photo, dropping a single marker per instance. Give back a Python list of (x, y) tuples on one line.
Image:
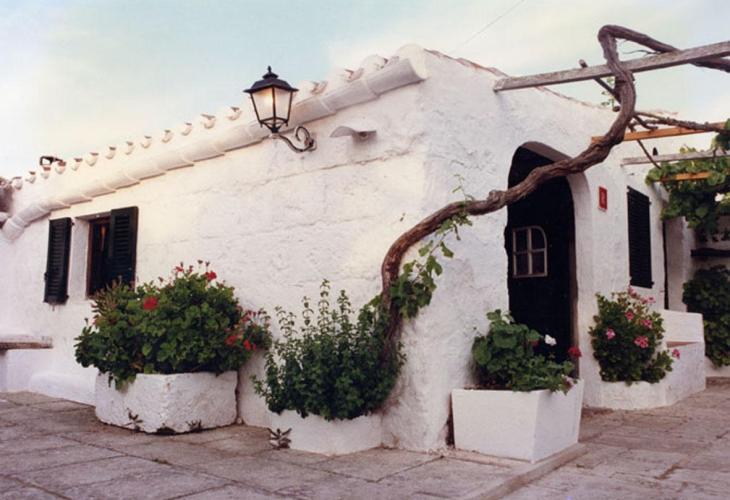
[(338, 363), (708, 293), (330, 363)]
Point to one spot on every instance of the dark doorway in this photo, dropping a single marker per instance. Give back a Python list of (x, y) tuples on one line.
[(539, 240)]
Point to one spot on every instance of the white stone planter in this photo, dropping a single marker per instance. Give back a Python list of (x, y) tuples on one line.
[(165, 403), (686, 378), (336, 437), (523, 425)]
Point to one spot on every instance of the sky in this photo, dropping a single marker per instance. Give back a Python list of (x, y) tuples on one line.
[(78, 76)]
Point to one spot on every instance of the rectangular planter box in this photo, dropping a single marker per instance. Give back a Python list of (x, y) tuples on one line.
[(336, 437), (523, 425), (686, 378), (178, 403)]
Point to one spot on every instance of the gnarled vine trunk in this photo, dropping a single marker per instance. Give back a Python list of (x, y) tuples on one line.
[(625, 93)]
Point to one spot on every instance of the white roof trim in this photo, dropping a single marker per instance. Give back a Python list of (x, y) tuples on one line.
[(209, 137)]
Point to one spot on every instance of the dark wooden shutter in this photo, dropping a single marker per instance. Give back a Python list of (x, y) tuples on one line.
[(639, 239), (59, 247), (122, 245)]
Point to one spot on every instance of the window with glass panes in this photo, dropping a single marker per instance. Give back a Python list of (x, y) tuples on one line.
[(529, 252)]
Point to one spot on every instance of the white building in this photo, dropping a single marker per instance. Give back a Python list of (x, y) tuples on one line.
[(275, 223)]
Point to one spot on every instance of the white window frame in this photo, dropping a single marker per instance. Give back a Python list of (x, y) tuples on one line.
[(532, 253)]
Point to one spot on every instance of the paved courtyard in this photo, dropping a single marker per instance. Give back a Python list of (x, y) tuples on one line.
[(51, 448)]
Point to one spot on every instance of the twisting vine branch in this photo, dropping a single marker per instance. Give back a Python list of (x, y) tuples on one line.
[(625, 92)]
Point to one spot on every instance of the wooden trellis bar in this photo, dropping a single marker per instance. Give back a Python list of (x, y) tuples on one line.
[(686, 177), (695, 155), (663, 132), (648, 63)]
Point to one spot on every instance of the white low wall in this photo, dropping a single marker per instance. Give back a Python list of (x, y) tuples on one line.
[(687, 377), (712, 371), (682, 326)]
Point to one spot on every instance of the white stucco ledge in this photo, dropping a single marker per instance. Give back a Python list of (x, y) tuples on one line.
[(686, 378), (337, 437), (526, 426), (177, 403), (682, 326), (713, 371), (210, 137)]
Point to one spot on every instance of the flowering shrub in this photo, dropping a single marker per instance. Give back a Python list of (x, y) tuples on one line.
[(625, 339), (505, 358), (709, 293), (333, 364), (191, 323)]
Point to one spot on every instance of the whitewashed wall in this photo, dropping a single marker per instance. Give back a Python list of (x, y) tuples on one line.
[(274, 223)]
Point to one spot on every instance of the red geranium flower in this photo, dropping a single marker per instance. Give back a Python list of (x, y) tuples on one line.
[(210, 275), (574, 352), (642, 341), (150, 303), (248, 345), (231, 339)]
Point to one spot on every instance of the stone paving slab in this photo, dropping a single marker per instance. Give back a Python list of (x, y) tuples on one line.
[(51, 448)]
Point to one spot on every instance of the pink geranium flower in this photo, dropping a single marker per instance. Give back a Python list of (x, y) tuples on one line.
[(610, 334), (642, 341), (629, 315), (647, 323), (675, 353)]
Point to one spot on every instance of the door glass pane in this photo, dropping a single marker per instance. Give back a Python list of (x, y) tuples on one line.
[(538, 262), (520, 240), (521, 264), (538, 240)]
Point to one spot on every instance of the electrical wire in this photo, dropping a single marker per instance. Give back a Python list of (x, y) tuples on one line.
[(488, 25)]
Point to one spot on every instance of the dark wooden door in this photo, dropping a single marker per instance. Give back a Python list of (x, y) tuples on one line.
[(538, 240)]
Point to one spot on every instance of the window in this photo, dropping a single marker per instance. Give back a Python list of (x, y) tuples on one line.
[(639, 239), (529, 252), (112, 249), (56, 276)]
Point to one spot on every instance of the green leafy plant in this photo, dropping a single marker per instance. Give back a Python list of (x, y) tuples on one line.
[(700, 201), (340, 364), (332, 364), (625, 339), (709, 293), (505, 358), (191, 323)]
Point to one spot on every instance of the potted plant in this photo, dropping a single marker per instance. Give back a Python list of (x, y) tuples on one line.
[(329, 374), (628, 343), (168, 352), (526, 406)]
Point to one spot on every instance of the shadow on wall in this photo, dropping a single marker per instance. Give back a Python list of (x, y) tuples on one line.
[(5, 196)]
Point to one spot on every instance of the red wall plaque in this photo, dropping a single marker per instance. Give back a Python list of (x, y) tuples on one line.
[(602, 198)]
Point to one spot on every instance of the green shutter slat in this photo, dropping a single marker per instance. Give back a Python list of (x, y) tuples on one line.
[(59, 249), (123, 245)]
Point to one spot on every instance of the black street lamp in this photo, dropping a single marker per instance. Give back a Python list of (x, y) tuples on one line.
[(272, 98)]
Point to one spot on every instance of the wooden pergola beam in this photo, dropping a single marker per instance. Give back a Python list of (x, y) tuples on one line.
[(647, 63), (695, 155), (662, 132), (686, 177)]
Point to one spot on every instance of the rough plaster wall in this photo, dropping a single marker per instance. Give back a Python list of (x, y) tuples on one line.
[(476, 138), (275, 223)]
